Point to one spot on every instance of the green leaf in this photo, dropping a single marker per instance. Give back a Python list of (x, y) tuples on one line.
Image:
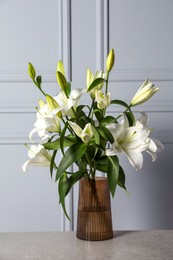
[(121, 178), (73, 154), (52, 162), (55, 145), (108, 120), (112, 173), (62, 135), (75, 177), (62, 189), (130, 118), (79, 112), (102, 167), (98, 113), (96, 136), (102, 160), (95, 83), (119, 102), (105, 133)]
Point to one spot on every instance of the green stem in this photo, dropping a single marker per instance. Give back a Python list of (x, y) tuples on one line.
[(39, 87), (107, 80), (91, 107), (89, 163)]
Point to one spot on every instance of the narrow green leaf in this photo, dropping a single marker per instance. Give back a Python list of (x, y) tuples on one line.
[(105, 133), (55, 145), (52, 162), (101, 167), (102, 160), (120, 102), (95, 83), (75, 177), (73, 154), (98, 113), (112, 173), (96, 136), (121, 178), (108, 120), (62, 135), (62, 189)]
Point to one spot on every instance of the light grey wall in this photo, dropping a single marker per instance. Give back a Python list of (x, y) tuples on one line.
[(141, 34), (81, 32)]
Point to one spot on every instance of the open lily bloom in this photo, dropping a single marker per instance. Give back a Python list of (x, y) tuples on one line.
[(66, 104), (39, 157), (46, 123), (132, 141)]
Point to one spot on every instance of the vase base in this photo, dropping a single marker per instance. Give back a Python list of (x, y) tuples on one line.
[(94, 226), (95, 236)]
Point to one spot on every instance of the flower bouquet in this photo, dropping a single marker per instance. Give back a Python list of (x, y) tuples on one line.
[(86, 135)]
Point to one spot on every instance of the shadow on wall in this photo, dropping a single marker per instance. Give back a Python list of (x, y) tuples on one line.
[(149, 203)]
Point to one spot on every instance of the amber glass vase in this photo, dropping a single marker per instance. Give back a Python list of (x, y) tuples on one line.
[(94, 220)]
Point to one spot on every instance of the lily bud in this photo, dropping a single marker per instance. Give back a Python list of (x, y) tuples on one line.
[(110, 60), (31, 71), (61, 80), (52, 104), (85, 134), (146, 91), (89, 77), (60, 67), (60, 75)]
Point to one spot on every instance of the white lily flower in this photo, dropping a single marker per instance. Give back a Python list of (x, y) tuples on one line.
[(90, 77), (46, 122), (39, 157), (146, 91), (132, 141), (102, 99), (154, 145), (85, 134), (66, 104)]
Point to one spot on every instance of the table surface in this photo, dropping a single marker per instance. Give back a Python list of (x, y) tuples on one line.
[(125, 245)]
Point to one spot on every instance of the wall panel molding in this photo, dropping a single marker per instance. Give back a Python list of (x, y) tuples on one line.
[(65, 47), (140, 75), (64, 50), (102, 33), (12, 76)]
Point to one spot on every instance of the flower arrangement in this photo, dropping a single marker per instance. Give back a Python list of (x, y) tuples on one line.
[(87, 135)]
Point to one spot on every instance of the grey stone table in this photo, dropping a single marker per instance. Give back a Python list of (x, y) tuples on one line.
[(126, 245)]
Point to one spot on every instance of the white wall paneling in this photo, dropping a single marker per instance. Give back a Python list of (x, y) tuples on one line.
[(102, 33), (36, 32), (140, 33), (81, 33)]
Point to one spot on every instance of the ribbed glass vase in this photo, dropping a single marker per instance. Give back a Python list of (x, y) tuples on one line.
[(94, 210)]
